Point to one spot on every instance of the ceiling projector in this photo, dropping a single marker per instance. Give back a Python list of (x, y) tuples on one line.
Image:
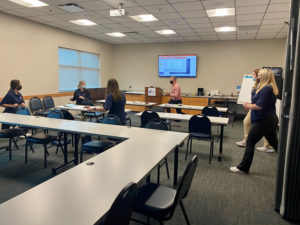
[(118, 12)]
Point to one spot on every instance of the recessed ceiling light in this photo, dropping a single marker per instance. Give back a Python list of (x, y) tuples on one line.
[(71, 7), (29, 3), (165, 32), (83, 22), (225, 29), (221, 12), (144, 18), (116, 34)]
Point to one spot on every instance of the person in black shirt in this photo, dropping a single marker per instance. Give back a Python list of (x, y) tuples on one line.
[(263, 118), (81, 95), (13, 99)]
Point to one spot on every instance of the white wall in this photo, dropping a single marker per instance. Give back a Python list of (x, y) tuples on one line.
[(221, 64), (29, 52)]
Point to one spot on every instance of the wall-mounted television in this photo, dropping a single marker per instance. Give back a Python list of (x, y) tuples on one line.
[(177, 65)]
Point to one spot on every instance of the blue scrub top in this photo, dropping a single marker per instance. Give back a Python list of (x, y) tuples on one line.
[(116, 107), (266, 99), (12, 98)]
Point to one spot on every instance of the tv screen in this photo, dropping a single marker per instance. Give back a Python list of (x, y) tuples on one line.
[(177, 65)]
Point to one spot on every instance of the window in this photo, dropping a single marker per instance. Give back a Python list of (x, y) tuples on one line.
[(75, 66)]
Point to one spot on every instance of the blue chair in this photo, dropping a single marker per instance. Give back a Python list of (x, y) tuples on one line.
[(210, 111), (122, 208), (23, 111), (48, 103), (44, 138), (99, 146), (147, 116), (36, 107), (200, 129), (159, 201), (158, 124)]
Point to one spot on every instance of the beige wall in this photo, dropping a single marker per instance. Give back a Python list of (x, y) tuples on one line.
[(221, 64), (29, 51)]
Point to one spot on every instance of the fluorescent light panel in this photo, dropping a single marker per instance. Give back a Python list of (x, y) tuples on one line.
[(29, 3), (116, 34), (83, 22), (165, 32), (225, 29), (144, 18), (221, 12)]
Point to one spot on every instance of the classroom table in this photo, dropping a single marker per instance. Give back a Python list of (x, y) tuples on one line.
[(220, 121), (85, 193), (190, 107), (135, 103)]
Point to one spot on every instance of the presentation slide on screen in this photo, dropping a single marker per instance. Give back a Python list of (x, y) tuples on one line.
[(177, 66)]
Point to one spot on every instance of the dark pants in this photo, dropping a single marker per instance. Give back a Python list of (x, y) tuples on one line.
[(174, 102), (266, 127)]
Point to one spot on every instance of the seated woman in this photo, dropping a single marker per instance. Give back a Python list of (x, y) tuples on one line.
[(13, 99), (82, 95), (114, 102)]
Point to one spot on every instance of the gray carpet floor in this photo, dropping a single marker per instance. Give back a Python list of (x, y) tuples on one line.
[(216, 195)]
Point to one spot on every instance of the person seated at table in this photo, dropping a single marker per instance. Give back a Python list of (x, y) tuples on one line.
[(114, 102), (12, 100), (175, 94), (82, 95)]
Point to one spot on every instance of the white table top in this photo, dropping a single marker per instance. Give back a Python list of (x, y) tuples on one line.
[(190, 107), (135, 92), (175, 116), (136, 103), (84, 193), (81, 108)]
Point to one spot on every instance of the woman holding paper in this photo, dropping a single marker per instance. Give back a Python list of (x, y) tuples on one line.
[(263, 117)]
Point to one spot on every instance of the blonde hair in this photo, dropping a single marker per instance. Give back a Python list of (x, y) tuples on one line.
[(80, 83), (113, 89), (267, 78), (256, 71)]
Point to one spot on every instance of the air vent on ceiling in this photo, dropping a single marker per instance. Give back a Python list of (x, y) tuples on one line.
[(71, 7), (246, 28)]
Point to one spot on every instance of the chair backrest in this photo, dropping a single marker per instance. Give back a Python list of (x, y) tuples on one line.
[(200, 124), (35, 104), (185, 183), (111, 119), (23, 111), (67, 115), (121, 209), (56, 114), (157, 124), (147, 116), (48, 102), (210, 111)]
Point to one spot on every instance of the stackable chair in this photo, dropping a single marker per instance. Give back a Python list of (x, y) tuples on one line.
[(48, 103), (159, 124), (159, 202), (43, 138), (122, 207), (36, 107), (147, 116), (211, 111), (99, 146), (161, 109), (200, 129)]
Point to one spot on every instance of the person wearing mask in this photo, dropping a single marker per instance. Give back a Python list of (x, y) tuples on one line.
[(175, 94), (12, 100), (247, 123), (114, 102), (82, 95), (263, 117)]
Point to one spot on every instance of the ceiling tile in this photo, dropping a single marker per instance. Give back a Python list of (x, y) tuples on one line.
[(160, 9), (274, 21), (94, 5), (193, 14), (188, 6), (251, 9), (279, 7), (248, 22), (252, 16), (279, 1), (222, 19), (198, 20), (151, 2), (136, 11), (214, 4), (167, 16), (277, 15), (224, 24), (251, 2)]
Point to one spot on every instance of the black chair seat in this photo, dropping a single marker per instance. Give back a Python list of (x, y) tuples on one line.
[(200, 135), (97, 146), (41, 138), (9, 133), (155, 200), (41, 113)]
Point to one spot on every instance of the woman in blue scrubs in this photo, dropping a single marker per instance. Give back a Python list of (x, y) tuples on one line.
[(82, 95), (13, 99)]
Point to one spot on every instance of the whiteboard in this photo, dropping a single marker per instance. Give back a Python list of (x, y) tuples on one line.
[(245, 93)]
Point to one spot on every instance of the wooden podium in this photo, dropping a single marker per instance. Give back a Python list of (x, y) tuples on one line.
[(153, 94)]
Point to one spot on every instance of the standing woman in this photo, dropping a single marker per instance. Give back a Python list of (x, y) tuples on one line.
[(114, 102), (81, 95), (263, 117), (13, 99)]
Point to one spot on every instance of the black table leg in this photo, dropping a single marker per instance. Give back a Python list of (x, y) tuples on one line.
[(221, 144), (66, 147), (77, 136), (175, 167)]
